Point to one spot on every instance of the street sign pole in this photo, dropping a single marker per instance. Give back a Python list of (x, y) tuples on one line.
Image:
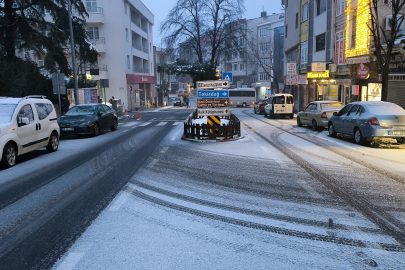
[(60, 103)]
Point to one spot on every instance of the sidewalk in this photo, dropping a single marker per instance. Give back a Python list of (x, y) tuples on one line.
[(134, 114)]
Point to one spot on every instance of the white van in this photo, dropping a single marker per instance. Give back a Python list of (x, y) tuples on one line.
[(279, 105), (26, 124)]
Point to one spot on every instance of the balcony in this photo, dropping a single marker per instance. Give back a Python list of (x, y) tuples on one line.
[(140, 70), (99, 44), (96, 15), (100, 67)]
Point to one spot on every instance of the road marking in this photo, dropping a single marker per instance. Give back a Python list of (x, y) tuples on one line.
[(145, 124), (176, 134), (161, 124), (177, 123), (125, 130), (251, 136), (164, 150), (129, 124), (153, 163)]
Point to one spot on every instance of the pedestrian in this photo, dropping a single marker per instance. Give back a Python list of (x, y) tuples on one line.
[(187, 101), (64, 104), (111, 99)]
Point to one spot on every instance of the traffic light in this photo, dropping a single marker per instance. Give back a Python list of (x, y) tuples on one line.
[(218, 72)]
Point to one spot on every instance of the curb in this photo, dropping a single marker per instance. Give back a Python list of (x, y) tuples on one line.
[(220, 140)]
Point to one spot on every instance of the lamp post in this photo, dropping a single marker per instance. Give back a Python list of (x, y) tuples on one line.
[(72, 47)]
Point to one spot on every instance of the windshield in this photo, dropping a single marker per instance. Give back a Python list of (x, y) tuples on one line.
[(6, 112), (331, 106), (81, 110)]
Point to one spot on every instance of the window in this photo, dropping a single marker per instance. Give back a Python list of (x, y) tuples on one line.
[(320, 42), (320, 6), (304, 53), (265, 61), (296, 20), (308, 108), (26, 111), (43, 110), (128, 62), (286, 30), (345, 109), (126, 34), (264, 47), (93, 33), (235, 67), (304, 13), (242, 41), (91, 5), (263, 76), (235, 55), (242, 66), (242, 55), (125, 9), (264, 32), (341, 6)]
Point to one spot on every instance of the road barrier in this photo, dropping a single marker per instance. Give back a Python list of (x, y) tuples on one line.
[(205, 131)]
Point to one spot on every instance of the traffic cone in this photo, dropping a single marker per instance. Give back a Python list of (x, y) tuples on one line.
[(139, 114)]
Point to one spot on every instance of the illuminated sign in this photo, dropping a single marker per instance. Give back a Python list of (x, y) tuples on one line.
[(363, 18), (318, 75)]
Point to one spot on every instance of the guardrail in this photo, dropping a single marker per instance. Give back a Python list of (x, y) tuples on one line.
[(205, 131)]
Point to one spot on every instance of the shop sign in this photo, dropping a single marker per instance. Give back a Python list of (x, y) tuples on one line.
[(393, 77), (291, 68), (363, 72), (291, 80), (302, 79), (343, 70), (132, 79), (318, 75), (318, 67), (358, 60), (343, 81), (340, 58), (355, 90)]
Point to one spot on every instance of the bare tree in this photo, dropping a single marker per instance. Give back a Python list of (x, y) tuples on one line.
[(201, 24), (384, 40)]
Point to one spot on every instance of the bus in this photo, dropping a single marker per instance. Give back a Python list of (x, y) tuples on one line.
[(242, 97)]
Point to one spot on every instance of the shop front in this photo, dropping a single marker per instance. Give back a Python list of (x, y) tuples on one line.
[(141, 91)]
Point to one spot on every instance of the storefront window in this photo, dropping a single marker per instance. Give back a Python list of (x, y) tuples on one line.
[(374, 92)]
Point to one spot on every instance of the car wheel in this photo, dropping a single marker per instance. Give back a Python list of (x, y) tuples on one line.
[(314, 125), (332, 131), (244, 105), (358, 137), (299, 123), (115, 125), (254, 110), (9, 158), (265, 114), (53, 144), (96, 131), (401, 140)]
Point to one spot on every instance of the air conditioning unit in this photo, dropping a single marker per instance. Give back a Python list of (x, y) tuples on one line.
[(333, 68)]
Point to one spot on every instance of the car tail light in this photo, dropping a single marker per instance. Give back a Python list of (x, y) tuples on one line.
[(323, 115), (373, 121)]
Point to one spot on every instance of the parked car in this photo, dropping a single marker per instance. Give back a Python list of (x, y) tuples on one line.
[(259, 105), (177, 102), (279, 105), (26, 124), (317, 114), (369, 119), (88, 119)]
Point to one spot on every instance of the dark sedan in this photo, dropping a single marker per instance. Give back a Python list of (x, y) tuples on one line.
[(177, 102), (88, 119), (260, 105), (369, 119)]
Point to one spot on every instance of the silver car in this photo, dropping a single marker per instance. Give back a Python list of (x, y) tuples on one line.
[(317, 114), (369, 119)]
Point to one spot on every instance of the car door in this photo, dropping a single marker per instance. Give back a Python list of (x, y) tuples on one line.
[(348, 121), (356, 118), (43, 111), (340, 117), (102, 117), (109, 116), (279, 104), (304, 115), (289, 104), (27, 134)]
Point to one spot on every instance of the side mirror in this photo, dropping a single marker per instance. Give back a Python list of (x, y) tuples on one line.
[(23, 121), (335, 114)]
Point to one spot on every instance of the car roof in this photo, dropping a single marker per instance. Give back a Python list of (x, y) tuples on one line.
[(91, 104), (326, 101), (371, 103), (10, 100), (277, 95)]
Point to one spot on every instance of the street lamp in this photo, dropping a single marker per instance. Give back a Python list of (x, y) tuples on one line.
[(72, 47)]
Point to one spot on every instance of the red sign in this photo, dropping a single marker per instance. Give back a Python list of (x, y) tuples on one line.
[(340, 58), (292, 80), (132, 78), (363, 72)]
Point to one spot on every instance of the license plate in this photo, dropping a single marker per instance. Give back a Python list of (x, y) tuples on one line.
[(68, 129), (396, 132)]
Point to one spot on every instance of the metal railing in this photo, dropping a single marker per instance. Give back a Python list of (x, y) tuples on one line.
[(136, 46), (100, 40), (145, 49), (94, 10), (136, 22), (102, 67), (205, 131), (140, 70)]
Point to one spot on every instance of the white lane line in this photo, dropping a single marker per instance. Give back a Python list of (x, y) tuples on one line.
[(125, 130), (164, 150), (153, 163), (145, 124), (176, 134), (177, 123), (71, 260), (118, 202), (161, 124), (129, 124), (251, 136)]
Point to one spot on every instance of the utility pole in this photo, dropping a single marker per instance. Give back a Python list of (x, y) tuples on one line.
[(72, 47)]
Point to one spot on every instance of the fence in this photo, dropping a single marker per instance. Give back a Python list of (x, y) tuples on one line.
[(205, 131)]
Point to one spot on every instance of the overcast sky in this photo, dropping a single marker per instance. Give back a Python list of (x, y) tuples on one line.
[(160, 8)]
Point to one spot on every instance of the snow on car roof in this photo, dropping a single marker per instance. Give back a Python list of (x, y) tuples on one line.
[(10, 100)]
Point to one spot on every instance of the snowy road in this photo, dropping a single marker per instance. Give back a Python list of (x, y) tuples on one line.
[(282, 197)]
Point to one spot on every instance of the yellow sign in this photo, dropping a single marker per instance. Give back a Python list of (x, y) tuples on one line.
[(318, 75)]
